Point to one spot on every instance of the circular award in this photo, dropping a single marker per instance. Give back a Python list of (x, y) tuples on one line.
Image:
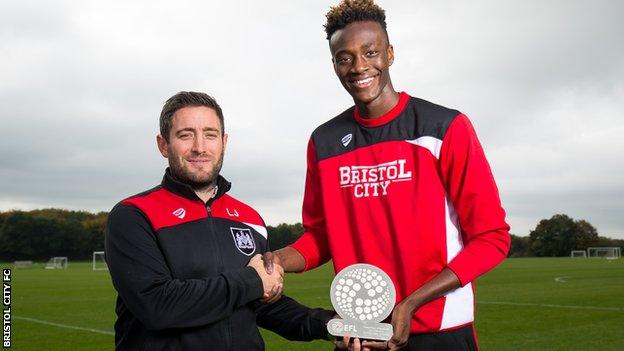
[(363, 295)]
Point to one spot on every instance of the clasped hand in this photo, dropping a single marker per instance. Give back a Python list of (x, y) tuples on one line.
[(271, 273)]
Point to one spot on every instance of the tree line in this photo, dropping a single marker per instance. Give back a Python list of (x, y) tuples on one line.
[(558, 236), (41, 234)]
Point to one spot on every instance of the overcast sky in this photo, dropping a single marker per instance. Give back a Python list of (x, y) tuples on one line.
[(82, 84)]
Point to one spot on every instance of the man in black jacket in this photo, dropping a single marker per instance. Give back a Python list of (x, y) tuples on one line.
[(185, 258)]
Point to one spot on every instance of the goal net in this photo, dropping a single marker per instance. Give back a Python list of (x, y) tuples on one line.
[(99, 263), (604, 252), (578, 253), (23, 264), (57, 263)]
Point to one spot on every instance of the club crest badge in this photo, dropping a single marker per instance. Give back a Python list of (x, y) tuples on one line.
[(243, 240)]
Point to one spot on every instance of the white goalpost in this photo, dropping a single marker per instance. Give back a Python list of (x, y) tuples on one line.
[(604, 252), (57, 262), (578, 254), (99, 262)]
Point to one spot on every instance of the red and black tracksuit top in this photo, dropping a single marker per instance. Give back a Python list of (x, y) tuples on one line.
[(179, 266), (410, 192)]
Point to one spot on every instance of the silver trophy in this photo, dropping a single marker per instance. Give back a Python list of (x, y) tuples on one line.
[(363, 295)]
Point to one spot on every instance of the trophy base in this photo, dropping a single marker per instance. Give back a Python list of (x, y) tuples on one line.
[(358, 329)]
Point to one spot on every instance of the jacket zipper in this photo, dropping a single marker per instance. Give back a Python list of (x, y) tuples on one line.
[(228, 332), (211, 229)]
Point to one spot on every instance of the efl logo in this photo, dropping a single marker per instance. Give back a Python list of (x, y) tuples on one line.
[(373, 180)]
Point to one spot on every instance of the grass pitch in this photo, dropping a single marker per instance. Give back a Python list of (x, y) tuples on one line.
[(524, 304)]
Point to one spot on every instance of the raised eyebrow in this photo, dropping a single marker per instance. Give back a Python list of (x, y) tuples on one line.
[(210, 129), (368, 46), (179, 131), (343, 52), (364, 46), (207, 129)]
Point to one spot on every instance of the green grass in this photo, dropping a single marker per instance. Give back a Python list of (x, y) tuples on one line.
[(520, 306)]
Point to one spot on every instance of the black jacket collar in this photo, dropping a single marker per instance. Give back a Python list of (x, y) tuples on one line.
[(179, 188)]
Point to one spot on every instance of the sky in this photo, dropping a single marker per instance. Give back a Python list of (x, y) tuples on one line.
[(82, 84)]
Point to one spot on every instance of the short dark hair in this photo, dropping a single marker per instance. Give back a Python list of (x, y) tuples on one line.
[(349, 11), (186, 99)]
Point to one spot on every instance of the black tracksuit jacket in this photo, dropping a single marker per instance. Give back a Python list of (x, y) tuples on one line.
[(179, 266)]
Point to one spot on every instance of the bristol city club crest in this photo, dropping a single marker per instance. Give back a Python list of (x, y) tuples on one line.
[(243, 240)]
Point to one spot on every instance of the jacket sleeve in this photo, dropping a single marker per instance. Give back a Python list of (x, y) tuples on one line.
[(293, 321), (145, 284), (312, 244), (470, 185)]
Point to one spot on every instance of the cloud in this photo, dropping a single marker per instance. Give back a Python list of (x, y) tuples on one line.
[(83, 84)]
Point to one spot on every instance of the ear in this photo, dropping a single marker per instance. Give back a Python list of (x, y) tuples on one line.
[(162, 146), (333, 63), (390, 55), (225, 140)]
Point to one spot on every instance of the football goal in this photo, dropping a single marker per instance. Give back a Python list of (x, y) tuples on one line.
[(578, 254), (57, 263), (99, 263), (604, 252), (23, 264)]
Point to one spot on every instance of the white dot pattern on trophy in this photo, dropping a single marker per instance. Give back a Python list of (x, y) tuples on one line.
[(362, 294)]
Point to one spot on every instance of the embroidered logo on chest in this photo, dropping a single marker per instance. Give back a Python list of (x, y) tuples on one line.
[(180, 213), (373, 180), (233, 213), (346, 139), (243, 240)]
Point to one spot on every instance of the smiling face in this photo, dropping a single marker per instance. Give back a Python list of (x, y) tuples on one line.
[(196, 146), (362, 57)]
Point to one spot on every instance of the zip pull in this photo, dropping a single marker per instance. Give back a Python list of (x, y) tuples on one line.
[(209, 211)]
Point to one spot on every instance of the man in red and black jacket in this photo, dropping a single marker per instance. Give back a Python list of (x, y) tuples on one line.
[(185, 258), (403, 184)]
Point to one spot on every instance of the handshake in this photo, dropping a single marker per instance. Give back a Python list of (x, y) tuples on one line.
[(271, 273)]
